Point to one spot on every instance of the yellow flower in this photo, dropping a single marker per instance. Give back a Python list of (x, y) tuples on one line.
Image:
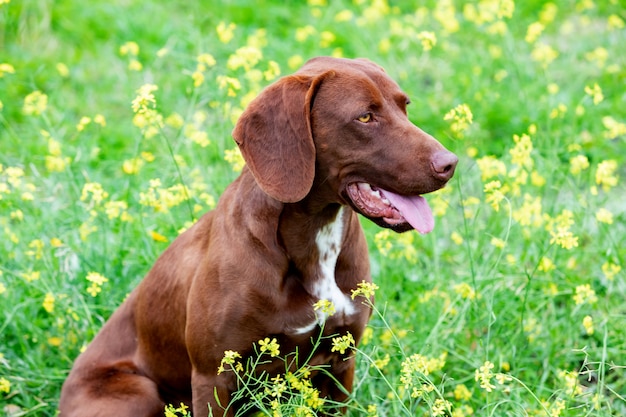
[(614, 22), (273, 71), (62, 69), (588, 325), (96, 280), (145, 98), (3, 288), (605, 174), (456, 238), (465, 291), (5, 385), (31, 276), (559, 228), (520, 154), (129, 48), (530, 213), (578, 164), (344, 16), (544, 54), (533, 32), (364, 289), (461, 393), (245, 57), (493, 194), (135, 65), (604, 216), (157, 237), (490, 167), (35, 103), (82, 123), (270, 346), (94, 193), (230, 358), (428, 40), (440, 407), (484, 375), (325, 306), (342, 343), (6, 69), (460, 118), (132, 166), (225, 32), (498, 243), (585, 294), (610, 270), (614, 129), (48, 303), (595, 92), (599, 55), (546, 265)]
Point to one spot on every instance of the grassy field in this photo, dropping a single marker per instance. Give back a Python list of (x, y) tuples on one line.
[(115, 123)]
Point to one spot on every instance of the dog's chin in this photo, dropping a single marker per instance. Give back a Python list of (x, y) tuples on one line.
[(390, 210), (396, 227)]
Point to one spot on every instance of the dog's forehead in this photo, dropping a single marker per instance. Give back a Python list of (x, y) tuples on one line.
[(361, 76)]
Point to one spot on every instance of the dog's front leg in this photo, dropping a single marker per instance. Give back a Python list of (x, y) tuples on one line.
[(211, 395)]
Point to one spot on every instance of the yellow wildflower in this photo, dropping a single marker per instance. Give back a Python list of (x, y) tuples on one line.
[(533, 32), (62, 69), (225, 32), (494, 194), (490, 167), (595, 92), (461, 118), (35, 103), (269, 346), (585, 294), (48, 303), (465, 291), (605, 174), (614, 129), (344, 16), (157, 237), (484, 375), (325, 306), (364, 289), (578, 164), (604, 216), (428, 40), (588, 325), (520, 154), (342, 343), (129, 48), (5, 385), (544, 54), (6, 69), (614, 22), (610, 270)]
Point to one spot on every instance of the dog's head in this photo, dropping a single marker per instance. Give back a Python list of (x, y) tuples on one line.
[(340, 127)]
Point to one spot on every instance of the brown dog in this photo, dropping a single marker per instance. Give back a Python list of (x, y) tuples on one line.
[(322, 145)]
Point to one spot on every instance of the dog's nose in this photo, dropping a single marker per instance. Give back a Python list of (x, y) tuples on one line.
[(443, 164)]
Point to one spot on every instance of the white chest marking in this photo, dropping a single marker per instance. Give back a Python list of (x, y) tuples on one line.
[(328, 242)]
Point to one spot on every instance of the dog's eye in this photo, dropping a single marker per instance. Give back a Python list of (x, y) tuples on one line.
[(365, 118)]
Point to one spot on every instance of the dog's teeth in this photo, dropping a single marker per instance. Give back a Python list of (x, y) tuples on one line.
[(387, 202), (365, 186)]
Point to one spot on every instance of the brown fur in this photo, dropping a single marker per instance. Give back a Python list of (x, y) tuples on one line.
[(247, 269)]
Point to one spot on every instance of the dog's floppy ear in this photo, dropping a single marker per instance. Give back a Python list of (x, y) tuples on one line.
[(275, 138)]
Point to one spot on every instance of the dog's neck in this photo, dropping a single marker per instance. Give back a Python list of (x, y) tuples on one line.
[(314, 248)]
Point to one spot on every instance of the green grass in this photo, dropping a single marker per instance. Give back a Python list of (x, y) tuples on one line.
[(487, 285)]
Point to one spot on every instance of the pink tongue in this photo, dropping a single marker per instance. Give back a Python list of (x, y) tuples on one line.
[(415, 211)]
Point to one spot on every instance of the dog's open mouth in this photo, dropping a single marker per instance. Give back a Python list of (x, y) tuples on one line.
[(393, 209)]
